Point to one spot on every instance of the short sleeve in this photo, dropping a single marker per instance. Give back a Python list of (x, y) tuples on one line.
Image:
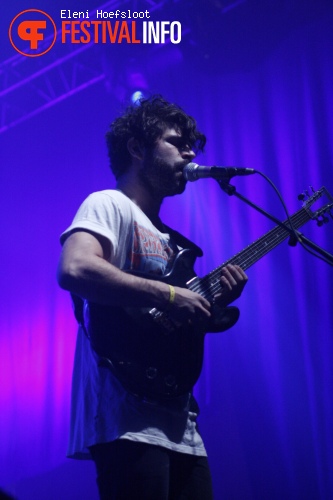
[(100, 214)]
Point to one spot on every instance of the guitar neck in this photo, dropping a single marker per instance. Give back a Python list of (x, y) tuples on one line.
[(262, 246), (210, 284)]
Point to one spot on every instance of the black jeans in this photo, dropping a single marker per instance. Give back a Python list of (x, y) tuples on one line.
[(128, 470)]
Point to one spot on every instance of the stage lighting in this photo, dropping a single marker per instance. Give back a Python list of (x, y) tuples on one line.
[(136, 96)]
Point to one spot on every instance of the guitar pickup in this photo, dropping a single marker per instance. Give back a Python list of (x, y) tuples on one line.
[(162, 319)]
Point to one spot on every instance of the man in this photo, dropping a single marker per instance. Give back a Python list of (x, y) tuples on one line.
[(143, 446)]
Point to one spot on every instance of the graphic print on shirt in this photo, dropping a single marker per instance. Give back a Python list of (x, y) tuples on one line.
[(150, 252)]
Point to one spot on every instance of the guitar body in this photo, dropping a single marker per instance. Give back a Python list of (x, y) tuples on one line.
[(150, 355)]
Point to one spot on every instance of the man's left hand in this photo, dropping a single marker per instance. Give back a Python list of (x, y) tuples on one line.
[(233, 280)]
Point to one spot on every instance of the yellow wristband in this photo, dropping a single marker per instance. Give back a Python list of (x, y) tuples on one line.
[(172, 294)]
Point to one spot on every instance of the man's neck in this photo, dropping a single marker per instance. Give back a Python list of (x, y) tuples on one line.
[(133, 188)]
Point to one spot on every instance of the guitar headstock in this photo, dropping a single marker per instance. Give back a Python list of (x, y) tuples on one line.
[(321, 213)]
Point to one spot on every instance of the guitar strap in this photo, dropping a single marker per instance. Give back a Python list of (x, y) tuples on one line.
[(77, 304), (183, 242)]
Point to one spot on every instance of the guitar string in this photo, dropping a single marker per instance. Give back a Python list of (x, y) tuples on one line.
[(210, 284)]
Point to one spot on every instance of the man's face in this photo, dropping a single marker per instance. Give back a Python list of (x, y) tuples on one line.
[(163, 165)]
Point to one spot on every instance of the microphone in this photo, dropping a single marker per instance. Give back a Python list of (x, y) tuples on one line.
[(192, 172)]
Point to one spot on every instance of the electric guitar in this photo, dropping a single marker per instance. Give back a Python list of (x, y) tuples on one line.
[(157, 359)]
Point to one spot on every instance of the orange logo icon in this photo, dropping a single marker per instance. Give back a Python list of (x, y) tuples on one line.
[(32, 33)]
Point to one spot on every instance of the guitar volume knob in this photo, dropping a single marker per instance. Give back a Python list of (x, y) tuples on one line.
[(170, 380), (151, 373)]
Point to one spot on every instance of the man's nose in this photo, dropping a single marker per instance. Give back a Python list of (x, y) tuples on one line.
[(188, 153)]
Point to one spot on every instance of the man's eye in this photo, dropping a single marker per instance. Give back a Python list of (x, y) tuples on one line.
[(181, 145)]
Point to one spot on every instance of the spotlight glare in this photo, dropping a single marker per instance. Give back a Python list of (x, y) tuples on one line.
[(136, 96)]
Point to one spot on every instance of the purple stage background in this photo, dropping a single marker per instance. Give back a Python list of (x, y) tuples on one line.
[(264, 99)]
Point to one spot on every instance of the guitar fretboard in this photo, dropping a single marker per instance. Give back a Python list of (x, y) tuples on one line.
[(210, 284)]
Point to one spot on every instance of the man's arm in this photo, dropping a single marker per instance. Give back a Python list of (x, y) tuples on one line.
[(85, 271)]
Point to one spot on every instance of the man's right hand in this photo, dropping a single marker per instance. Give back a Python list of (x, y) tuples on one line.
[(189, 306)]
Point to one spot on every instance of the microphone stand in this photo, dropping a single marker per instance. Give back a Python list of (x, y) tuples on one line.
[(231, 191)]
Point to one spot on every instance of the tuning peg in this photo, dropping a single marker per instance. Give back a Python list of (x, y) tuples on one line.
[(305, 195), (323, 219)]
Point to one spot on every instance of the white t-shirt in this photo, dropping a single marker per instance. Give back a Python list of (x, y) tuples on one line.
[(101, 409)]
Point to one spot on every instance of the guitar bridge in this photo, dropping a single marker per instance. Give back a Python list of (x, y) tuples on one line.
[(162, 319)]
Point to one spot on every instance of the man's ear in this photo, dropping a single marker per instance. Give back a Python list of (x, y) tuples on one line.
[(135, 149)]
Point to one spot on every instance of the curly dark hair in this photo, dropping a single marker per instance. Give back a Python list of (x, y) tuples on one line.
[(146, 121)]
